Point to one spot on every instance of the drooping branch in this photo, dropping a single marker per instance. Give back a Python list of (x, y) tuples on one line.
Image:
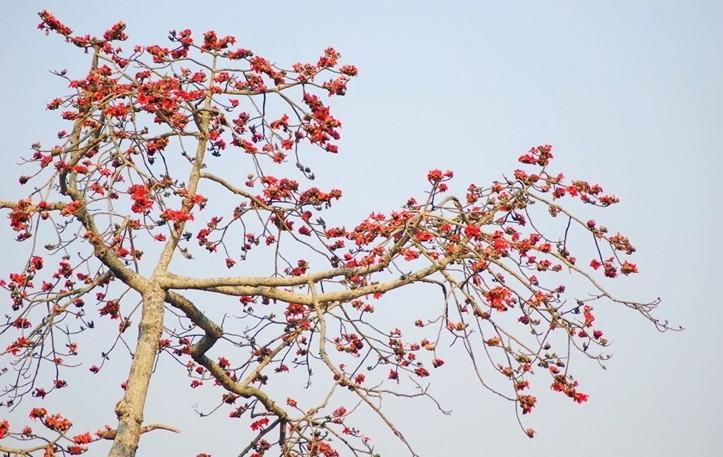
[(198, 352)]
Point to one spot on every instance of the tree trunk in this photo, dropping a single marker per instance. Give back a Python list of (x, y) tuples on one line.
[(130, 408)]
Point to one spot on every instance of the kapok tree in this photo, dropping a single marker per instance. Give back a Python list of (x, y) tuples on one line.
[(198, 149)]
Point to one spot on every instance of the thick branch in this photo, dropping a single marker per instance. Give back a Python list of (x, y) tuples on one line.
[(130, 409), (175, 281), (276, 293)]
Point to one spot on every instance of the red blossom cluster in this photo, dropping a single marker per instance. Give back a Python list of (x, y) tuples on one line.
[(51, 23), (140, 194), (540, 155), (322, 126), (211, 42)]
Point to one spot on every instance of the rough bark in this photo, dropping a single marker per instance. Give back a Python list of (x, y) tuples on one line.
[(130, 408)]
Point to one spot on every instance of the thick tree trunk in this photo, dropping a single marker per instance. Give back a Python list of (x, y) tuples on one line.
[(130, 409)]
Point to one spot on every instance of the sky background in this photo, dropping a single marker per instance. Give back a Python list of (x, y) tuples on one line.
[(630, 93)]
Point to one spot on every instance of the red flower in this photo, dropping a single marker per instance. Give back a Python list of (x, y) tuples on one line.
[(76, 450), (37, 413), (527, 403), (610, 270), (57, 423), (4, 429), (628, 268), (71, 208), (589, 318), (472, 231), (116, 32), (141, 202), (176, 216), (498, 297), (349, 70), (259, 423), (83, 438), (435, 176), (539, 155), (51, 23)]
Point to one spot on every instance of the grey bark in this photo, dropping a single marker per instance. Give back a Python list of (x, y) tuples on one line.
[(130, 408)]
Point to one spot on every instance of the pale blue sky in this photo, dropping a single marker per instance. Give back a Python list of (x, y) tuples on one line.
[(630, 93)]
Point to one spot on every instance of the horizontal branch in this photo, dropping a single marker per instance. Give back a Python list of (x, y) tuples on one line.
[(4, 204), (174, 281), (276, 292)]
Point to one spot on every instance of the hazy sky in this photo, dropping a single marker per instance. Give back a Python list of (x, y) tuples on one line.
[(630, 93)]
